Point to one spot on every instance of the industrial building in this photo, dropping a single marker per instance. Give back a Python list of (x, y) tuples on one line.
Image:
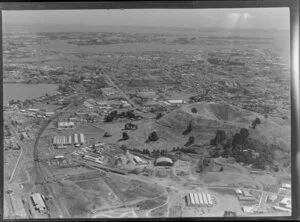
[(94, 159), (199, 199), (238, 191), (175, 102), (249, 200), (286, 202), (38, 202), (65, 125), (49, 113), (108, 91), (63, 141), (79, 139), (139, 160), (286, 186), (163, 161), (248, 209), (147, 95), (247, 193), (111, 93)]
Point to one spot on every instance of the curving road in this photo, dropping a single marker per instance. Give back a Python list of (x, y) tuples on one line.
[(24, 149)]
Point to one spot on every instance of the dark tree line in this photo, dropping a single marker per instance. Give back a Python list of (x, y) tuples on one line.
[(188, 129), (115, 115)]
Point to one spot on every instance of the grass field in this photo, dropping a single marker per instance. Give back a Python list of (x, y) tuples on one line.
[(128, 190), (78, 202)]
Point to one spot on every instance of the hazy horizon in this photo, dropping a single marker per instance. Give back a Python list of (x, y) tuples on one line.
[(228, 19)]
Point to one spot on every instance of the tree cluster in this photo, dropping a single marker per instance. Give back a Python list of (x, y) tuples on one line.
[(152, 137), (188, 129), (255, 122), (220, 138), (130, 126), (159, 115), (242, 149), (194, 110), (190, 141), (115, 115)]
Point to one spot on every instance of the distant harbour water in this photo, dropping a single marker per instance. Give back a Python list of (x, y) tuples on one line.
[(19, 91)]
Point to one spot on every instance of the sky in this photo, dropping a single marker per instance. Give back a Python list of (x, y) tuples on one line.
[(251, 18)]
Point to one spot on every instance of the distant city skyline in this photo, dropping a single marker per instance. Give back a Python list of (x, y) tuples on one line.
[(252, 18)]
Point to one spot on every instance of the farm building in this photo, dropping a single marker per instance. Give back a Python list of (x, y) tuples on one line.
[(38, 202), (199, 199), (163, 161)]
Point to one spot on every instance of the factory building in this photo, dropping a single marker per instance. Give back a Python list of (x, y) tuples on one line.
[(199, 199), (62, 141), (163, 161), (38, 202)]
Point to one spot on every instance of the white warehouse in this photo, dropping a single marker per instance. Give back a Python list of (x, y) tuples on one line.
[(199, 199)]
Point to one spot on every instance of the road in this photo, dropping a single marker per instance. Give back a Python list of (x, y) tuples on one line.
[(263, 199), (120, 90), (149, 212), (24, 150)]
